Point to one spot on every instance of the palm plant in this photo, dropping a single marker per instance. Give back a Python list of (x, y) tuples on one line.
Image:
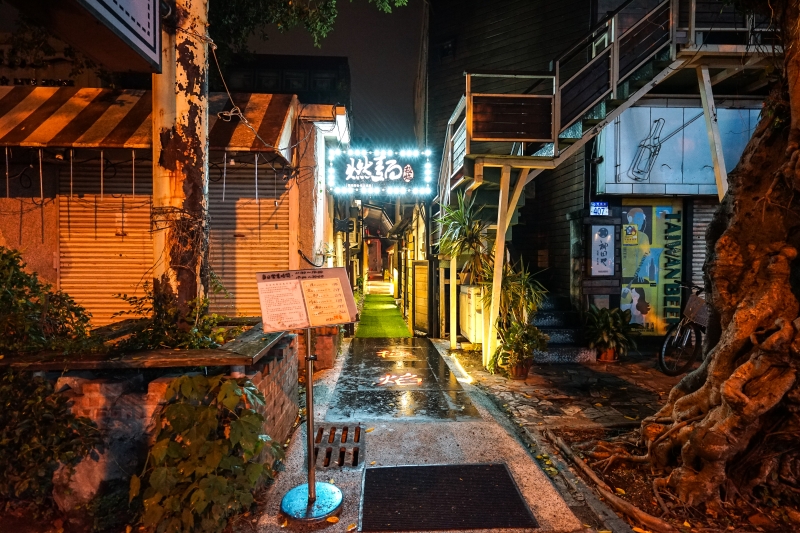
[(610, 329), (463, 233), (520, 294)]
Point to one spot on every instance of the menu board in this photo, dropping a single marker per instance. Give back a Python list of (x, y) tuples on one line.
[(298, 299)]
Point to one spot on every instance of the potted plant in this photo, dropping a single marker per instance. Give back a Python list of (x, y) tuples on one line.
[(516, 347), (610, 332), (464, 234)]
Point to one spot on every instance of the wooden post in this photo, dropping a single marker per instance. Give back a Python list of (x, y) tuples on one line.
[(180, 156), (453, 303), (499, 256), (468, 140), (294, 227), (712, 128)]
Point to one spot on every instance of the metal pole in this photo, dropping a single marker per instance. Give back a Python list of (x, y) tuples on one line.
[(312, 492)]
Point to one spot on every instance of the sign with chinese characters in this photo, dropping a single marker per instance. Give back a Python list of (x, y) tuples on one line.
[(380, 172), (298, 299), (598, 209), (602, 251)]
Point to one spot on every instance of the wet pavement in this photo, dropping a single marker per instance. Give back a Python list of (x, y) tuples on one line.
[(576, 396), (398, 379), (428, 418)]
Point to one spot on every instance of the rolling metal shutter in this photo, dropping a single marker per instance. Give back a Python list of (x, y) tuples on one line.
[(421, 296), (105, 244), (249, 234), (702, 212)]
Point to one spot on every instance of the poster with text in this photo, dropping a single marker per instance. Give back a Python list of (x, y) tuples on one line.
[(652, 262)]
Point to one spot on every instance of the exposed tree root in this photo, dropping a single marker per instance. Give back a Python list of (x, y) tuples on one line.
[(648, 520)]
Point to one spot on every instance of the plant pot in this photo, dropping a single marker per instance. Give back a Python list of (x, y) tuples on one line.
[(608, 356), (520, 370)]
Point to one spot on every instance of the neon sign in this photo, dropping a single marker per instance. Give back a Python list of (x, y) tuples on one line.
[(379, 172)]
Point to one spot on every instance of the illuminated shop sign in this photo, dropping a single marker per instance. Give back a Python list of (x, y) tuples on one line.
[(380, 172)]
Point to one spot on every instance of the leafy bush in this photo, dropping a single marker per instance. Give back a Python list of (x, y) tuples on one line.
[(517, 344), (206, 461), (33, 316), (163, 327), (608, 329), (464, 233), (37, 434)]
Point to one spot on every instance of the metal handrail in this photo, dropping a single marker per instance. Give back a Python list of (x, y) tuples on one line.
[(592, 31)]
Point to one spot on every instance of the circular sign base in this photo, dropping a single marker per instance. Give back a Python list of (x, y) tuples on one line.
[(295, 504)]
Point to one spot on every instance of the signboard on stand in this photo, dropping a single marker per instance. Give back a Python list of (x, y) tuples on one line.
[(300, 299)]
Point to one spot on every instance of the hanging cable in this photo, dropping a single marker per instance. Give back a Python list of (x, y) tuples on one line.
[(133, 172), (8, 187), (41, 178), (256, 178), (71, 158), (224, 172)]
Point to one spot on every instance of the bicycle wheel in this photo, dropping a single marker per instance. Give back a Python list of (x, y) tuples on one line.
[(681, 346)]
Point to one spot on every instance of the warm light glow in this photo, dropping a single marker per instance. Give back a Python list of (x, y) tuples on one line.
[(406, 379), (467, 378)]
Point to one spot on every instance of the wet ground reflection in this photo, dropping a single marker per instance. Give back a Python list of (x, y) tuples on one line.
[(397, 378)]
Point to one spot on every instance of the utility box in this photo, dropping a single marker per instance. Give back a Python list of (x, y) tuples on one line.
[(470, 311)]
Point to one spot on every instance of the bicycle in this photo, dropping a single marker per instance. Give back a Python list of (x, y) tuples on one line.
[(684, 340)]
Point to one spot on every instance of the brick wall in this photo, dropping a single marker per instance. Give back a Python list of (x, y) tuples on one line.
[(325, 342), (123, 410)]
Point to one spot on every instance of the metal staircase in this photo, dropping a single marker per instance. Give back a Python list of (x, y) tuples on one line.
[(534, 121), (511, 126)]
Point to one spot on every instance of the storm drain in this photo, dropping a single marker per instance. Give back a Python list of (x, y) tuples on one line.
[(338, 446)]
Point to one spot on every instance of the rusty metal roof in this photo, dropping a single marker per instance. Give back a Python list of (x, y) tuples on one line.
[(105, 118)]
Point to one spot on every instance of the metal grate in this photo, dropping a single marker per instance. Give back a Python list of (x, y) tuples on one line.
[(339, 446)]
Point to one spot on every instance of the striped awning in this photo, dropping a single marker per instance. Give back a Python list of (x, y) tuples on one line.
[(102, 118)]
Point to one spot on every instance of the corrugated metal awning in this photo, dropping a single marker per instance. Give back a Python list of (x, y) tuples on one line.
[(102, 118)]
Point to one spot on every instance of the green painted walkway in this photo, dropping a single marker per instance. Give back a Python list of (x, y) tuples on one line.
[(381, 318)]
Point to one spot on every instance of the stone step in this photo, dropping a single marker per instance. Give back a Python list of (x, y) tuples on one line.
[(562, 335), (556, 319), (565, 353), (555, 303)]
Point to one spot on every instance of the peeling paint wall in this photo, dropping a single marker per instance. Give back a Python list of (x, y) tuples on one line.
[(306, 180), (31, 226)]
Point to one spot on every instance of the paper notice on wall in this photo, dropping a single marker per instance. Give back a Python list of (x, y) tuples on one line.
[(325, 301), (282, 305)]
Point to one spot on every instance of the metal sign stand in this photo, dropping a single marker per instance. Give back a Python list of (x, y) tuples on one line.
[(312, 501)]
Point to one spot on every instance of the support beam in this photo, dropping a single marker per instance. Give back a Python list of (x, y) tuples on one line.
[(518, 188), (453, 303), (712, 128), (730, 71), (477, 180), (499, 256)]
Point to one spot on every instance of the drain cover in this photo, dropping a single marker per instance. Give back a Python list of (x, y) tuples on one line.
[(339, 446)]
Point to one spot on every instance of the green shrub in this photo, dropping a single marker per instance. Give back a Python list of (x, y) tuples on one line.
[(37, 434), (163, 325), (207, 458), (33, 316), (517, 344), (610, 329)]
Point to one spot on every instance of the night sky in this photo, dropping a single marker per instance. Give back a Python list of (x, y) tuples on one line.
[(383, 52)]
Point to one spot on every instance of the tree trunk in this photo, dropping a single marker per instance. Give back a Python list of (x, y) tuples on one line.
[(734, 421), (180, 157)]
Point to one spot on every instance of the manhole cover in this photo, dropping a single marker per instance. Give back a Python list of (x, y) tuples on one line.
[(339, 446)]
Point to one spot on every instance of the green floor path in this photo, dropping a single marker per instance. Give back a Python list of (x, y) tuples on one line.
[(381, 318)]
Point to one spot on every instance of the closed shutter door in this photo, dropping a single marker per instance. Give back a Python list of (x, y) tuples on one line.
[(248, 235), (105, 244), (703, 211), (421, 296)]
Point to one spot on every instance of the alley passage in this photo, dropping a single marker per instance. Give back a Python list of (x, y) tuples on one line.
[(381, 318), (397, 379)]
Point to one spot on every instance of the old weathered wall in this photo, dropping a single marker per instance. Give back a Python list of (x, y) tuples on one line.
[(31, 226)]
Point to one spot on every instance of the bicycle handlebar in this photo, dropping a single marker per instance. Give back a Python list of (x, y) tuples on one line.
[(692, 286)]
